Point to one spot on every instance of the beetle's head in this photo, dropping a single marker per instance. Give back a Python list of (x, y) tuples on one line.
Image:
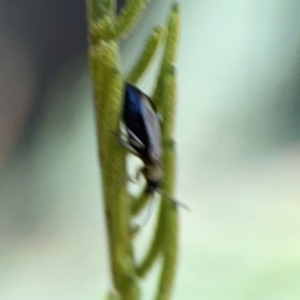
[(152, 186)]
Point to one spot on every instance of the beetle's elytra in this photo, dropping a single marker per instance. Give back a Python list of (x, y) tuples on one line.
[(144, 134)]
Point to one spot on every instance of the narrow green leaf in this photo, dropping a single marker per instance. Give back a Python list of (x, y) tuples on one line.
[(103, 29), (129, 17), (169, 52), (98, 9), (147, 55)]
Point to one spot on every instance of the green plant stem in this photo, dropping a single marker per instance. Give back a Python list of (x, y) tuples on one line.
[(105, 31), (104, 61), (169, 209), (154, 249), (139, 203), (166, 96)]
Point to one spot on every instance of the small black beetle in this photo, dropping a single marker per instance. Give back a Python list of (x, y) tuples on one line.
[(144, 134), (144, 137)]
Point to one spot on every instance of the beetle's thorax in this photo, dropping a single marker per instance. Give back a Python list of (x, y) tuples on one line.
[(153, 171)]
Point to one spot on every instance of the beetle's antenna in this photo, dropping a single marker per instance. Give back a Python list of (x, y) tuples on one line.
[(165, 196)]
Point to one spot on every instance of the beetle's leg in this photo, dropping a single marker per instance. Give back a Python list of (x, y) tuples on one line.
[(138, 173), (123, 141), (121, 138), (130, 179), (134, 143), (134, 140)]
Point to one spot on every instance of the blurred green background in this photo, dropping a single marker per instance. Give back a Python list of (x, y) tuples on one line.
[(237, 133)]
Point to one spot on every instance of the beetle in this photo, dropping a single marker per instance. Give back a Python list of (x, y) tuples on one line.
[(144, 134), (142, 124)]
